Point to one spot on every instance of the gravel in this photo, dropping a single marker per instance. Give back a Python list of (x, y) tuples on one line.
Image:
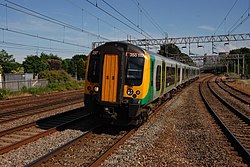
[(34, 150), (182, 134), (36, 117)]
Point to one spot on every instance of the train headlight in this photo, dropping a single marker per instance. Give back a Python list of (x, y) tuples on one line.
[(89, 88), (137, 92), (130, 92), (96, 88)]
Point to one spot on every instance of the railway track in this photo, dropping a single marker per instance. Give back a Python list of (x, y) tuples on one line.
[(236, 101), (237, 94), (237, 90), (83, 150), (20, 135), (24, 108), (235, 125), (27, 99), (91, 148)]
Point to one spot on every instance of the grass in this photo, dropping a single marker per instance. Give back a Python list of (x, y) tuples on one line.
[(51, 87)]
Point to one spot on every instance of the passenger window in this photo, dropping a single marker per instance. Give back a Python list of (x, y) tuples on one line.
[(158, 78), (178, 74), (170, 76)]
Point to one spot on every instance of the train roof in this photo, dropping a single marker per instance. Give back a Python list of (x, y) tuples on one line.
[(169, 59), (128, 47), (163, 57)]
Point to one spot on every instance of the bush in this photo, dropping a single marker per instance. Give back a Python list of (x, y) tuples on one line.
[(4, 94), (24, 89), (55, 76), (57, 86), (58, 81), (38, 90), (70, 85)]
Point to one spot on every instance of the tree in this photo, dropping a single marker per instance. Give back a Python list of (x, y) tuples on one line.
[(45, 56), (78, 57), (69, 66), (240, 51), (19, 70), (81, 69), (168, 50), (1, 69), (34, 64), (53, 61), (54, 64), (246, 52), (171, 50), (80, 61), (8, 62), (54, 76), (5, 57)]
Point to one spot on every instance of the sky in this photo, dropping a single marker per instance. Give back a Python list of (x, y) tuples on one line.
[(68, 27)]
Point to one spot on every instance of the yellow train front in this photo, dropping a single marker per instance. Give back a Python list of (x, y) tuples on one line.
[(113, 86)]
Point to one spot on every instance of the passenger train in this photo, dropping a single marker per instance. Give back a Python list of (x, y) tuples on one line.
[(124, 82)]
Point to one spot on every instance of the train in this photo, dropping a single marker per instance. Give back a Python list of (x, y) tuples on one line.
[(124, 82)]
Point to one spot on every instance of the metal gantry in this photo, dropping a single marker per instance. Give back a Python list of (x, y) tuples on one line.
[(184, 40), (205, 61), (211, 61)]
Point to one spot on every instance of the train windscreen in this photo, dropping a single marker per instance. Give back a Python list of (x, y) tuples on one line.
[(134, 71), (94, 68)]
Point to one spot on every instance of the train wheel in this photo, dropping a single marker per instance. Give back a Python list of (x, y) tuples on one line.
[(144, 115)]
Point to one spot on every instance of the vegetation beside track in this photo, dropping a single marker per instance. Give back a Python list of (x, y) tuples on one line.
[(59, 80)]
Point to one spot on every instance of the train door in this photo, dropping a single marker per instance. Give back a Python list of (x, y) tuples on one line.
[(151, 88), (109, 78)]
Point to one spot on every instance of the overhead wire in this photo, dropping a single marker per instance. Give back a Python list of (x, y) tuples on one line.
[(126, 18), (149, 17), (41, 37), (225, 18), (96, 17), (96, 5), (30, 12), (15, 45), (49, 19), (240, 21)]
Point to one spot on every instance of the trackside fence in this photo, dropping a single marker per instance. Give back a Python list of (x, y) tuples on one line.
[(19, 84)]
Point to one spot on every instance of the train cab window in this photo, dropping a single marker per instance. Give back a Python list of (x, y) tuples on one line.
[(94, 68), (158, 78), (134, 73)]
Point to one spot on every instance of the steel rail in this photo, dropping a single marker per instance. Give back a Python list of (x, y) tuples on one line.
[(55, 152), (229, 106), (236, 89), (106, 153), (7, 109), (36, 136), (42, 111), (13, 101), (234, 141), (232, 94)]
